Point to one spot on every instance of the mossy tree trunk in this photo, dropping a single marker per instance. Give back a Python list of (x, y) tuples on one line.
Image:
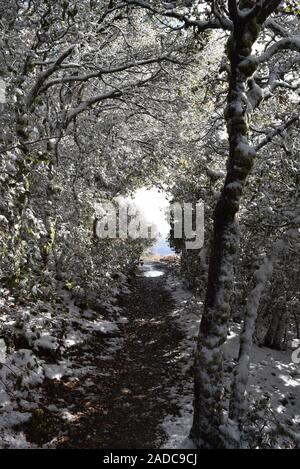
[(209, 425)]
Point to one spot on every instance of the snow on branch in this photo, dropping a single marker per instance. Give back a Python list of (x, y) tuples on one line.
[(113, 94), (85, 105), (46, 74), (277, 28), (291, 43), (107, 71), (201, 25)]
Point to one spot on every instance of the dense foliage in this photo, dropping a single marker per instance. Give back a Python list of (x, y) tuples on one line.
[(198, 98)]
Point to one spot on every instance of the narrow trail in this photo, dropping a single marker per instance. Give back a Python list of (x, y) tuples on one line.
[(123, 401)]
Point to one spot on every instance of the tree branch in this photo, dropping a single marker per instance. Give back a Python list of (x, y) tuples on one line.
[(46, 74), (201, 25), (113, 94), (106, 71), (268, 7), (291, 43), (275, 132), (233, 11)]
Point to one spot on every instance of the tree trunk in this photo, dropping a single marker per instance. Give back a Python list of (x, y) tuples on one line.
[(209, 424), (276, 335), (238, 404)]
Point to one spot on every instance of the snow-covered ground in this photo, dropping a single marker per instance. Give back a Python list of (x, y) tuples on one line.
[(273, 378), (186, 314), (44, 333), (274, 382)]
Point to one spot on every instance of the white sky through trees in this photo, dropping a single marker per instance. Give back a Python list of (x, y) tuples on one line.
[(153, 204)]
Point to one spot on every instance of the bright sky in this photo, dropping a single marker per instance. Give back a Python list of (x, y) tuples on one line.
[(152, 204)]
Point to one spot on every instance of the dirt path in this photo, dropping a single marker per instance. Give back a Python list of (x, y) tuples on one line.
[(124, 401)]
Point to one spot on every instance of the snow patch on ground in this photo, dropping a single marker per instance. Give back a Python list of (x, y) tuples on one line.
[(187, 316), (273, 375), (46, 332)]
